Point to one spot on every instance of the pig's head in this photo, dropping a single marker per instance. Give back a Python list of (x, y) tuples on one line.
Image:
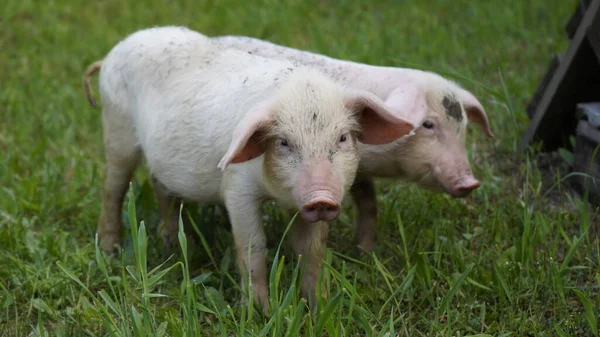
[(435, 156), (308, 134)]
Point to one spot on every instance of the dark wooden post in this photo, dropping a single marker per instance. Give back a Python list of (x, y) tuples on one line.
[(572, 79)]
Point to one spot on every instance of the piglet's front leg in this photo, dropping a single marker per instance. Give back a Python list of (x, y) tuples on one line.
[(363, 194), (250, 241), (309, 241)]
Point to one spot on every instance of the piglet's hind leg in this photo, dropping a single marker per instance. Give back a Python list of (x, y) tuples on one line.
[(121, 163), (363, 193)]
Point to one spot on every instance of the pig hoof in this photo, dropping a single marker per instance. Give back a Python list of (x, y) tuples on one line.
[(324, 293), (262, 298), (366, 245), (266, 311), (259, 302), (109, 242), (310, 292), (170, 244)]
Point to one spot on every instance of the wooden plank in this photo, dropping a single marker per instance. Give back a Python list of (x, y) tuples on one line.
[(575, 20), (593, 35), (537, 96), (569, 86)]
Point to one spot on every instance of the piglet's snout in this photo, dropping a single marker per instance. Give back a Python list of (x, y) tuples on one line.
[(318, 192), (320, 210), (464, 187)]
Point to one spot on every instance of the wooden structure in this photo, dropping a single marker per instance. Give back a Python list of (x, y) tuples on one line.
[(573, 78)]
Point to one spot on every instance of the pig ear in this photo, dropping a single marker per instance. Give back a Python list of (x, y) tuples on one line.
[(378, 124), (475, 111), (408, 102), (245, 144)]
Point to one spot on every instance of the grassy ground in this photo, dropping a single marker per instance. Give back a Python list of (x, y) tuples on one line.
[(512, 260)]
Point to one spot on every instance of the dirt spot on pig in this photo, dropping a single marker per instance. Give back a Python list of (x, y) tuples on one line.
[(452, 106)]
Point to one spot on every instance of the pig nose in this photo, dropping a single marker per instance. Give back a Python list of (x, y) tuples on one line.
[(465, 187), (320, 211)]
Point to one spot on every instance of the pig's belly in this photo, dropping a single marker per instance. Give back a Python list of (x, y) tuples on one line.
[(183, 155), (189, 181)]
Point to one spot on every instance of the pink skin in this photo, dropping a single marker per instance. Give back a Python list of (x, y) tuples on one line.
[(405, 91), (476, 114), (465, 186), (448, 159), (408, 94), (320, 209), (318, 192), (452, 170), (454, 173), (457, 185), (315, 166)]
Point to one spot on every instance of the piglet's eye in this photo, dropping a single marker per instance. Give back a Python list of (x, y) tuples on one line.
[(282, 142), (343, 138), (428, 125), (282, 147)]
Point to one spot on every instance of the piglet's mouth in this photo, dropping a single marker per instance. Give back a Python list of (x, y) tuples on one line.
[(318, 192), (463, 187), (457, 185)]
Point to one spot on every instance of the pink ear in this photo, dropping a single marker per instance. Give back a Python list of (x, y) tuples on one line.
[(245, 144), (378, 124), (408, 102), (475, 111)]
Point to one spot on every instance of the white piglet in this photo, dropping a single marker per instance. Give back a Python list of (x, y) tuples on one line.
[(435, 157), (220, 126)]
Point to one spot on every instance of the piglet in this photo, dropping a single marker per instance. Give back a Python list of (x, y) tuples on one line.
[(220, 126), (435, 157)]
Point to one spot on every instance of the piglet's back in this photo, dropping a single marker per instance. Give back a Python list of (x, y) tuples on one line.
[(184, 95), (148, 59)]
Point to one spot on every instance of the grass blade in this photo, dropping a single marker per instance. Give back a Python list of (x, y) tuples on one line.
[(445, 304), (330, 308), (589, 311)]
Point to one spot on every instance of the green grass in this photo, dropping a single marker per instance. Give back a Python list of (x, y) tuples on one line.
[(520, 257)]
